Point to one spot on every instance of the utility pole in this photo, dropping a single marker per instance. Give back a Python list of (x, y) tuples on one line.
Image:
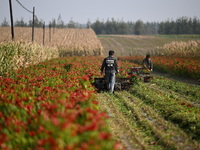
[(50, 32), (11, 18), (33, 24), (43, 32)]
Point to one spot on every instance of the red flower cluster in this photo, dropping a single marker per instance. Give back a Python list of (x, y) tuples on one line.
[(52, 105), (187, 67)]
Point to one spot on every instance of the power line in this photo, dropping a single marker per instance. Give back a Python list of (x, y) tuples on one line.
[(24, 7)]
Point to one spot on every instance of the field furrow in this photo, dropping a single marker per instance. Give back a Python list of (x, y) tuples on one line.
[(118, 124), (170, 135), (127, 127), (171, 108)]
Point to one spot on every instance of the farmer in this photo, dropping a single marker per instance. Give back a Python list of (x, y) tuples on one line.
[(147, 63), (111, 68)]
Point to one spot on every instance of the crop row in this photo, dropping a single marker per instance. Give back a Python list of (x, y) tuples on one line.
[(168, 134), (190, 48), (15, 55), (143, 126), (186, 67), (125, 124), (70, 42), (171, 107), (188, 92), (52, 105), (153, 118)]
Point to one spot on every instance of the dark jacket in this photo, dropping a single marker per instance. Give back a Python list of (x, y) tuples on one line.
[(110, 65), (147, 63)]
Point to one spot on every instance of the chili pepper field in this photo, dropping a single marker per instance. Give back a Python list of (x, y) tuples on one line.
[(53, 105)]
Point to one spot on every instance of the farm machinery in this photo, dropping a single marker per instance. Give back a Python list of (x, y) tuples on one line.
[(142, 72), (124, 83)]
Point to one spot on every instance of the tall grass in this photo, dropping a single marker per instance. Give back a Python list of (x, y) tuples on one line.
[(14, 55), (180, 49)]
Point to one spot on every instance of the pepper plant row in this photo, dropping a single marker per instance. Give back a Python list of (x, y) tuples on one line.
[(52, 105), (171, 107), (169, 135), (187, 67)]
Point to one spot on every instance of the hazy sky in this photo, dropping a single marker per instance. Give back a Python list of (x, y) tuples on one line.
[(83, 10)]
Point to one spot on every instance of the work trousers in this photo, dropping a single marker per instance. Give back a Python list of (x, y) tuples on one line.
[(110, 81)]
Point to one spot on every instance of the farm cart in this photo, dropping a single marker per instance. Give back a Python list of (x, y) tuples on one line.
[(142, 72), (120, 84), (123, 83)]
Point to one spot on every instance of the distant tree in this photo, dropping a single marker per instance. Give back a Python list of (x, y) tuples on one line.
[(167, 27), (130, 27), (161, 28), (71, 24), (111, 26), (184, 25), (60, 22), (139, 27), (30, 22), (122, 28), (53, 23), (154, 26), (98, 27), (196, 26), (172, 27), (88, 24), (37, 23), (5, 23), (20, 23)]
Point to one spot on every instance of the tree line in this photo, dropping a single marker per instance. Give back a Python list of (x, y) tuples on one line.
[(56, 23), (120, 27), (182, 25)]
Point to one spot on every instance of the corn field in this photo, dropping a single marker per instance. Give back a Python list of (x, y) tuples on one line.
[(56, 43), (190, 48), (15, 55), (81, 42)]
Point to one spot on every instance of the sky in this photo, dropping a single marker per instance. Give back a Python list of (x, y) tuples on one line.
[(82, 11)]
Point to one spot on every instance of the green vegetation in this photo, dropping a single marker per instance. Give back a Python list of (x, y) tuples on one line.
[(126, 45), (161, 114), (52, 104), (15, 55)]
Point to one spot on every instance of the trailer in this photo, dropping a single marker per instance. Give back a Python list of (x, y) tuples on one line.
[(120, 84)]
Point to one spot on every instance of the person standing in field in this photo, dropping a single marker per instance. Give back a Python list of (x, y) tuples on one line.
[(111, 69), (147, 63)]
